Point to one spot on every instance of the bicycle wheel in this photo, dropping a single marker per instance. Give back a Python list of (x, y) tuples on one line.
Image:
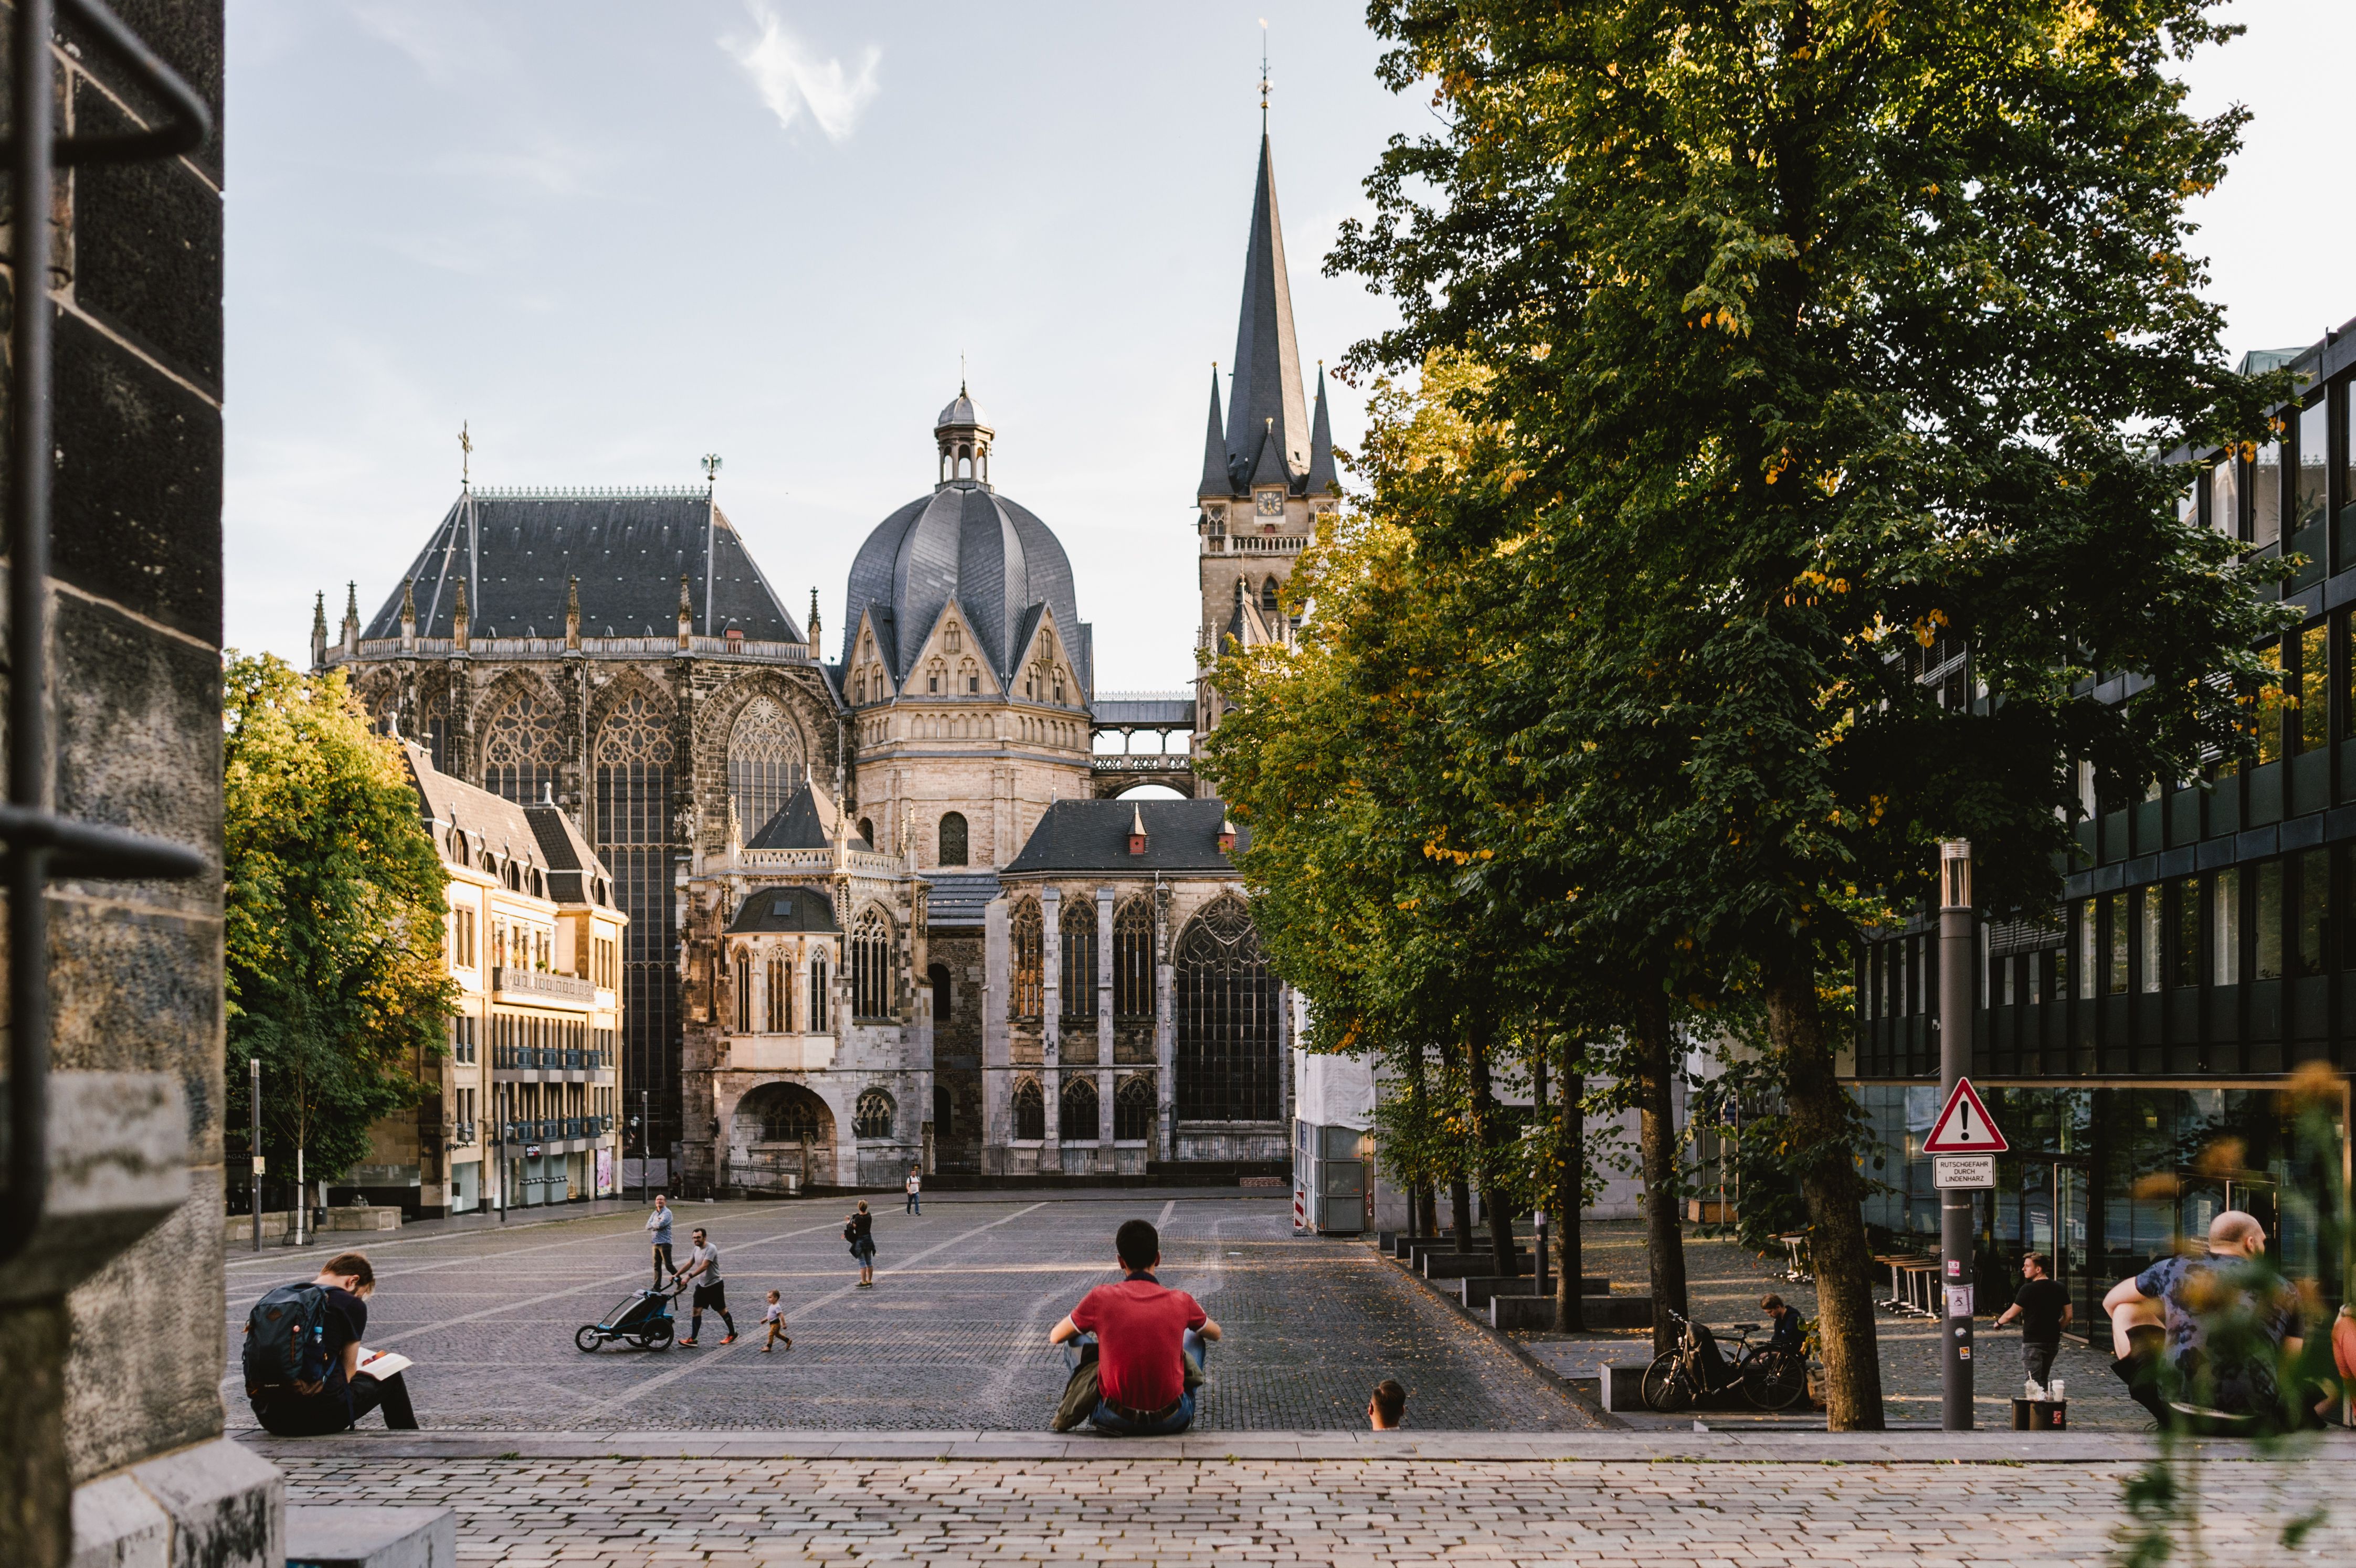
[(588, 1337), (1668, 1386), (1774, 1381), (659, 1335)]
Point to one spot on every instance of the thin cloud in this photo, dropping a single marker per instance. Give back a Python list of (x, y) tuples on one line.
[(792, 78)]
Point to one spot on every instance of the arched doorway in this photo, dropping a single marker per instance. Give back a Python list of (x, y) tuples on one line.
[(780, 1131), (1230, 1068)]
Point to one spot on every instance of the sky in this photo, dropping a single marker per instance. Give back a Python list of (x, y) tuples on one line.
[(610, 237)]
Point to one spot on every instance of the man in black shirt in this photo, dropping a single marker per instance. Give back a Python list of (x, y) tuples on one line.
[(344, 1394), (2043, 1308)]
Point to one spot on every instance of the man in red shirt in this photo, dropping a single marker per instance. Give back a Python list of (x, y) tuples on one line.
[(1143, 1335)]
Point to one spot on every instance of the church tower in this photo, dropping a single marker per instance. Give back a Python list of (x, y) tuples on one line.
[(1267, 470)]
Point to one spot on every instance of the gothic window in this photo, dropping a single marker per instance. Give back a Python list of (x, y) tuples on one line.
[(744, 979), (952, 841), (933, 673), (944, 1111), (1030, 1110), (765, 763), (781, 995), (874, 1117), (630, 768), (523, 746), (785, 1113), (1028, 950), (1228, 1061), (1132, 1108), (1079, 1117), (938, 976), (871, 966), (1268, 604), (1132, 960), (1079, 976), (819, 1005)]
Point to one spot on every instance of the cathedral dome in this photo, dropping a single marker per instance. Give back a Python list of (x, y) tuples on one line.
[(964, 543)]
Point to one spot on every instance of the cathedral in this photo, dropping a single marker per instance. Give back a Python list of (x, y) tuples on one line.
[(891, 902)]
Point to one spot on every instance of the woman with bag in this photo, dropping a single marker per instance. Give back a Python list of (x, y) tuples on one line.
[(859, 1230)]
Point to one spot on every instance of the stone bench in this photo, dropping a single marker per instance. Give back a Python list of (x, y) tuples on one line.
[(1597, 1312), (1456, 1265), (1474, 1290), (352, 1535), (373, 1217)]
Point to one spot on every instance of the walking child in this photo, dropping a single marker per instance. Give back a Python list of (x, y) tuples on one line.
[(773, 1317)]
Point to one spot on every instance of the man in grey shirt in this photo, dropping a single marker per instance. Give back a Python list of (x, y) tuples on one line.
[(704, 1269), (659, 1224)]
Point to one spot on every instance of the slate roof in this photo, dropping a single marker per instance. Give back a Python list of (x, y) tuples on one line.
[(575, 875), (958, 898), (966, 542), (1144, 709), (539, 836), (784, 909), (800, 824), (517, 553), (1181, 836)]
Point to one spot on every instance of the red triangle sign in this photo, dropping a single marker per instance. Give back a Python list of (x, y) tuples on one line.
[(1964, 1127)]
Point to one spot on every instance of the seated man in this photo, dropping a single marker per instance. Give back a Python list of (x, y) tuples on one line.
[(344, 1394), (1143, 1337), (2182, 1303), (1790, 1330)]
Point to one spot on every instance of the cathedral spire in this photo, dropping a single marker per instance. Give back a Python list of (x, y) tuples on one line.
[(1267, 403), (1215, 450), (1320, 480)]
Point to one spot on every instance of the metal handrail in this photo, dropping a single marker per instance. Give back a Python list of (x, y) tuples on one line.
[(40, 845)]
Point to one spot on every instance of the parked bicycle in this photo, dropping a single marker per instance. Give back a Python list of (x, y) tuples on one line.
[(1697, 1369)]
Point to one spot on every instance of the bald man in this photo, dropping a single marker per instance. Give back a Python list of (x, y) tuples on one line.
[(2165, 1309)]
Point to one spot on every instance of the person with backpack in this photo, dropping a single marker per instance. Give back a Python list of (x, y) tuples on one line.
[(859, 1230), (302, 1355)]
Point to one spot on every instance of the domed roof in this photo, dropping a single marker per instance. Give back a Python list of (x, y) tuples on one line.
[(960, 411), (965, 542)]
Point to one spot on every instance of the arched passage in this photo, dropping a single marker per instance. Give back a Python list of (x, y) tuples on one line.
[(780, 1130)]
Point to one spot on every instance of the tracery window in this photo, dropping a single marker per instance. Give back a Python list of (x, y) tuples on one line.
[(1132, 960), (523, 746), (1229, 1060), (1029, 946), (1134, 1108), (744, 979), (952, 838), (1080, 970), (821, 1000), (871, 966), (630, 767), (1030, 1110), (1079, 1117), (874, 1117), (781, 995), (1268, 602), (765, 763)]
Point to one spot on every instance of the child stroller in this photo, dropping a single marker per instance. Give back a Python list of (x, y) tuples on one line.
[(644, 1319)]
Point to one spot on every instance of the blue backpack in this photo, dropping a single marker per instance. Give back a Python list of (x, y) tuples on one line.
[(286, 1341)]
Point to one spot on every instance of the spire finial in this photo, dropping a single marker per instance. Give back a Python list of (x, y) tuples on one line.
[(1263, 76), (711, 469), (465, 456)]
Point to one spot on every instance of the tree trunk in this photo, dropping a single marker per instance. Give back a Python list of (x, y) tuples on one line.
[(1664, 1237), (1819, 1110), (1428, 1200), (1459, 1195), (1417, 1112), (1477, 1042), (1571, 1195)]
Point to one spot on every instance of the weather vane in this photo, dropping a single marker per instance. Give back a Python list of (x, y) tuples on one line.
[(465, 454), (1263, 76), (711, 469)]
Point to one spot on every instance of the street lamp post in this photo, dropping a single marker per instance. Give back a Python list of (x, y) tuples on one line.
[(1955, 1206), (253, 1137)]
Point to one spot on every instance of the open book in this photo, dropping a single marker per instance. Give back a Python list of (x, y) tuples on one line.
[(381, 1364)]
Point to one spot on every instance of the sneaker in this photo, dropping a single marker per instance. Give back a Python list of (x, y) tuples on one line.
[(728, 1338), (685, 1341), (764, 1350)]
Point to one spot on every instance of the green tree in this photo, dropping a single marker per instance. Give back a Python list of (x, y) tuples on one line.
[(334, 916), (1825, 336)]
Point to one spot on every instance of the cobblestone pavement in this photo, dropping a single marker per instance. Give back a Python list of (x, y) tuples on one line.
[(953, 1336), (1676, 1514), (1725, 1282)]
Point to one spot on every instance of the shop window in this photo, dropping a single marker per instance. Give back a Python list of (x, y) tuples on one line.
[(2115, 949), (2314, 911), (2150, 908), (2225, 927), (2186, 970), (2268, 918)]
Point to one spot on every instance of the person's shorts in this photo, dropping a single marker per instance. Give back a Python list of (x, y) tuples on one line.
[(711, 1298), (864, 1252)]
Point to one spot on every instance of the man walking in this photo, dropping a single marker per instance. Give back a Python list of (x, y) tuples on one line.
[(703, 1270), (659, 1227), (915, 1189), (2045, 1310), (1144, 1335)]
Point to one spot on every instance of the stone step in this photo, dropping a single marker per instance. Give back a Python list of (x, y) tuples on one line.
[(1474, 1290), (351, 1535)]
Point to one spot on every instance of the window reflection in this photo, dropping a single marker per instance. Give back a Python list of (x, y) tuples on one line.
[(2314, 452), (2225, 498), (2115, 952), (2265, 495), (2269, 706), (2187, 969), (2149, 926), (2314, 909), (2225, 927), (2269, 918), (2314, 687)]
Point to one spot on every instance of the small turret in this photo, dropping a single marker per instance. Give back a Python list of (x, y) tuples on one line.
[(1214, 451), (1137, 830), (408, 614), (320, 631), (351, 620), (814, 654), (1322, 480)]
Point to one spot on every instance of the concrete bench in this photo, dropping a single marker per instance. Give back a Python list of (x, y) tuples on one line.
[(375, 1217), (1456, 1265), (353, 1535), (1621, 1388), (1474, 1290)]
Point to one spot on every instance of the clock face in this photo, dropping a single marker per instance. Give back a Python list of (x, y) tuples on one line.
[(1270, 503)]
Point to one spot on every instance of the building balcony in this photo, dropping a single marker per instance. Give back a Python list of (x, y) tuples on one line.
[(1255, 544), (541, 987)]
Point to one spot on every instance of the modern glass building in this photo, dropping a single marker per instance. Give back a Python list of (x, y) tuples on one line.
[(2133, 1042)]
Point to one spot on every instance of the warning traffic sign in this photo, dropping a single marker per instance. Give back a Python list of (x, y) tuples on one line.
[(1964, 1127)]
